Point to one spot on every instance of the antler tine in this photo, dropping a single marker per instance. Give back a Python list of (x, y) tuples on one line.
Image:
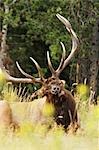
[(50, 64), (63, 57), (64, 21), (24, 73), (9, 78), (29, 79), (75, 41), (38, 67)]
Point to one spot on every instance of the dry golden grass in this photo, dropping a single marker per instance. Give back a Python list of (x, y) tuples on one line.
[(38, 137)]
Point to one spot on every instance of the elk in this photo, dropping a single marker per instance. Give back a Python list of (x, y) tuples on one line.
[(53, 91)]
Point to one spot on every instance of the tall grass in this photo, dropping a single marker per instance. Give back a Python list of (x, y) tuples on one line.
[(38, 137)]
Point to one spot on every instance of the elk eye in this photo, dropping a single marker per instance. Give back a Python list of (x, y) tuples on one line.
[(54, 88), (58, 88)]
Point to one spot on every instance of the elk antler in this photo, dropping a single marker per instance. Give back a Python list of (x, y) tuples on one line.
[(63, 57), (75, 42), (29, 78), (38, 68), (61, 63), (17, 80), (24, 73)]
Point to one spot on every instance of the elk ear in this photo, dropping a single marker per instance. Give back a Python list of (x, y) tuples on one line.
[(63, 81)]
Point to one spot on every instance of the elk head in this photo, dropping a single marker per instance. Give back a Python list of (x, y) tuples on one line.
[(53, 84)]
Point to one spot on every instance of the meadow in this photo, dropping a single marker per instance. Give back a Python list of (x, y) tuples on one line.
[(38, 137)]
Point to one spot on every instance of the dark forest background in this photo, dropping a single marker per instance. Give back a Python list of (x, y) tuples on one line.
[(30, 28)]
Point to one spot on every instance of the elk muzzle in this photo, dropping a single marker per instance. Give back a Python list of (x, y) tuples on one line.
[(55, 89)]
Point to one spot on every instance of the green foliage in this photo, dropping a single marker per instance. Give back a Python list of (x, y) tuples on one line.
[(34, 28)]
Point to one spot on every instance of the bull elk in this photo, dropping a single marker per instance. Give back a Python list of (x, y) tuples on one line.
[(53, 91)]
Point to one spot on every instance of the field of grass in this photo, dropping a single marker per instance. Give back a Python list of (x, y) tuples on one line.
[(37, 137)]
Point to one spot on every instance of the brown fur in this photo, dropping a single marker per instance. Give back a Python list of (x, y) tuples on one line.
[(6, 117), (65, 106), (12, 115), (64, 103)]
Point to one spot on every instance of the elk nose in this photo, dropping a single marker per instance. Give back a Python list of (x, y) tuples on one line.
[(55, 89)]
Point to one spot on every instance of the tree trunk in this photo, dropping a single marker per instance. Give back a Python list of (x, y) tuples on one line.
[(94, 58), (3, 37), (82, 70)]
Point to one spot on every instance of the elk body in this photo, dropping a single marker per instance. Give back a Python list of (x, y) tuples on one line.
[(5, 114), (53, 88), (13, 114)]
